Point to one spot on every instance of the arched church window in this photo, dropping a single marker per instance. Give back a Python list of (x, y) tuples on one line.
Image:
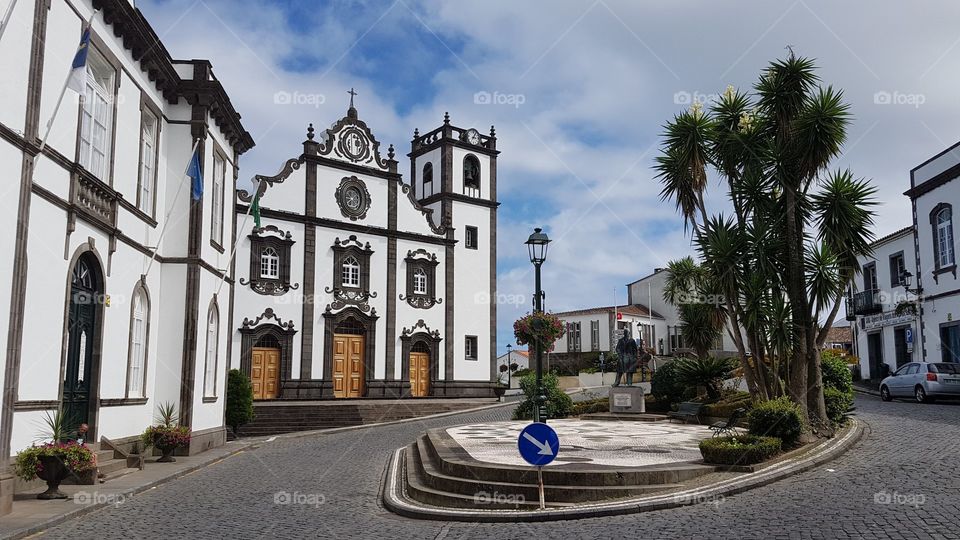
[(350, 276), (137, 362), (269, 264), (427, 180), (210, 361)]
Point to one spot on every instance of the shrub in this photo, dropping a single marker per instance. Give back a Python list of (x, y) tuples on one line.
[(836, 372), (780, 418), (739, 449), (239, 400), (559, 404), (666, 386), (709, 372), (522, 372), (730, 403), (591, 406), (838, 404)]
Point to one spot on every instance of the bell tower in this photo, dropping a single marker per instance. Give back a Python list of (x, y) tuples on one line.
[(453, 171)]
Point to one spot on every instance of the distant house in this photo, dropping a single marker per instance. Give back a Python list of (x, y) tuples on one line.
[(840, 338), (520, 358), (596, 330)]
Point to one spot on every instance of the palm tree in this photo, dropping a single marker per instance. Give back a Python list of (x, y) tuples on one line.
[(782, 260)]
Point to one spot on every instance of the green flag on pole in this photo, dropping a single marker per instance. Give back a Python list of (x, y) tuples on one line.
[(256, 210)]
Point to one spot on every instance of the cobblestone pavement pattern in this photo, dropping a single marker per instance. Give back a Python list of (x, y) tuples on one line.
[(900, 481)]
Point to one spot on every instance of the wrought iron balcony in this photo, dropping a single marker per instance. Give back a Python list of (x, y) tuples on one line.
[(864, 303)]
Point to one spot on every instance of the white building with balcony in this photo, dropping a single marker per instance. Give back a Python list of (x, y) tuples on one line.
[(102, 317), (881, 311)]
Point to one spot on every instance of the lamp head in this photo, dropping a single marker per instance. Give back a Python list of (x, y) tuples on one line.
[(537, 246)]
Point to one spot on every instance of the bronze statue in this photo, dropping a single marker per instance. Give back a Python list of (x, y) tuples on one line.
[(626, 358)]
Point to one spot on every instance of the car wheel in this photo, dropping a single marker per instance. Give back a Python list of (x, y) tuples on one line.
[(885, 394), (920, 394)]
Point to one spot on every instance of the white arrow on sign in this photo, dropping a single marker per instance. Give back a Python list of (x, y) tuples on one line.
[(544, 446)]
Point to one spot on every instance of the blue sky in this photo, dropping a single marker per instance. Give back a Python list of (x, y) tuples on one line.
[(597, 80)]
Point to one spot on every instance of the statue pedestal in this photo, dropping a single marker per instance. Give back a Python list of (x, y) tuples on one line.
[(627, 399)]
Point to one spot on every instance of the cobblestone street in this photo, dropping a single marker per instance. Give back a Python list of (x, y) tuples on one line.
[(908, 454)]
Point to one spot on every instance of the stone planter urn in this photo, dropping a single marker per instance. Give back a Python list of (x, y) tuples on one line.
[(54, 471), (499, 391), (167, 454)]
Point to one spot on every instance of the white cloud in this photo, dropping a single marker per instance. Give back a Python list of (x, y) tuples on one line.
[(598, 82)]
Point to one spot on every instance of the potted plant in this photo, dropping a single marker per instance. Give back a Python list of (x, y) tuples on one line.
[(544, 328), (56, 458), (166, 436)]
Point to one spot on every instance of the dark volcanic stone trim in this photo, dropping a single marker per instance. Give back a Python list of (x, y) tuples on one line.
[(18, 294), (391, 326), (446, 182), (493, 270), (309, 273)]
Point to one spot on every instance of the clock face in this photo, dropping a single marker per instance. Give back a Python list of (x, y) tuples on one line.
[(351, 198), (473, 136)]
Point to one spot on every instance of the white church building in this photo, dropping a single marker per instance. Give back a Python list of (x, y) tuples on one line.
[(359, 285), (101, 316)]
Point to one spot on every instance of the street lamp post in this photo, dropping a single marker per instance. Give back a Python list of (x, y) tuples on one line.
[(509, 364), (537, 248), (906, 278)]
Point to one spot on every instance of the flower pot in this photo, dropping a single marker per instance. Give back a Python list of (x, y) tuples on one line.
[(167, 456), (499, 391), (53, 471)]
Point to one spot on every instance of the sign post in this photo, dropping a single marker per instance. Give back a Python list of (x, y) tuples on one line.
[(538, 444)]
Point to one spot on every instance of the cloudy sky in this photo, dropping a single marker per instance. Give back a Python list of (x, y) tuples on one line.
[(581, 90)]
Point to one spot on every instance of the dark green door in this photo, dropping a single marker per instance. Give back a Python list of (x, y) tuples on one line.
[(85, 298)]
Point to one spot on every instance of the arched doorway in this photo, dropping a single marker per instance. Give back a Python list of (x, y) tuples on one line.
[(84, 314), (349, 344), (265, 367), (420, 370)]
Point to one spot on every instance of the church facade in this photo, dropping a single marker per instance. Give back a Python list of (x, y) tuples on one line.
[(356, 284)]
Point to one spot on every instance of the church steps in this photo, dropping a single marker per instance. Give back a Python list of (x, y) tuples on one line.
[(276, 417)]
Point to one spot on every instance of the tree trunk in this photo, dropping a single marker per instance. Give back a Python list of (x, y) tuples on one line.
[(796, 292)]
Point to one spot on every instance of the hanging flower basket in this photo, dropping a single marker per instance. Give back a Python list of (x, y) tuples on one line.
[(545, 328)]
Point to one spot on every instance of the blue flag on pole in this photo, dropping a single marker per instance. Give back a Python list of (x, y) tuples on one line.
[(196, 175), (78, 72)]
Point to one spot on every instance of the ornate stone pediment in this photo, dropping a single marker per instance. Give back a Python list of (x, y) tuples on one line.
[(349, 139), (267, 316), (420, 327), (262, 182)]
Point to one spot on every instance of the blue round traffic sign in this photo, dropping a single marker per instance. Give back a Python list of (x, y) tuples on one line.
[(538, 444)]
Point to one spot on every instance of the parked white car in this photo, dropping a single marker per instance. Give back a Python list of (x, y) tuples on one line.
[(922, 381)]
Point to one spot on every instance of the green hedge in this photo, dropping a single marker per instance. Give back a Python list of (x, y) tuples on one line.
[(780, 418), (835, 372), (559, 404), (592, 406), (739, 450), (838, 404), (725, 407)]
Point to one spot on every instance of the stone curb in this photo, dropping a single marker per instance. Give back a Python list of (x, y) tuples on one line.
[(86, 509), (394, 497), (866, 391)]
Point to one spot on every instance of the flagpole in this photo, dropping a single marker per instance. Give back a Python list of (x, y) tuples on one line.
[(6, 17), (173, 205), (233, 252)]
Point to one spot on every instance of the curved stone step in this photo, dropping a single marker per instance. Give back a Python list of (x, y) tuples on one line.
[(453, 460), (418, 489), (420, 459)]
